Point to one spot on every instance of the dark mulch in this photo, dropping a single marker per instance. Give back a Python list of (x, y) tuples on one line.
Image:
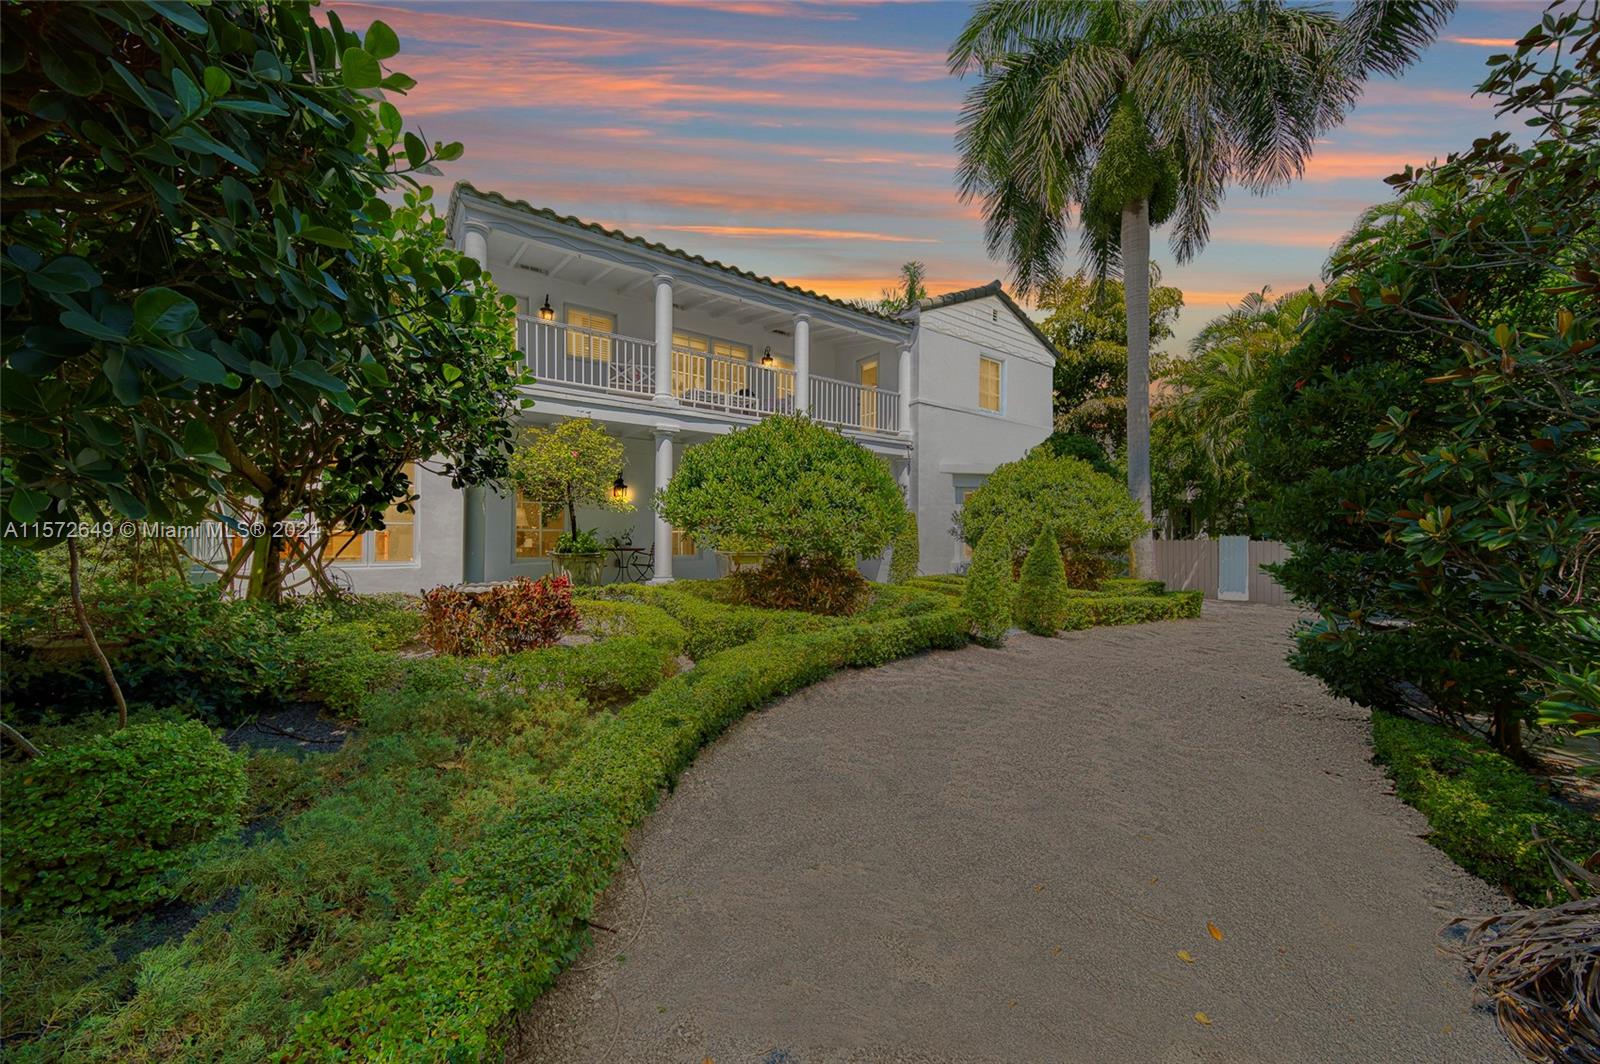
[(298, 729)]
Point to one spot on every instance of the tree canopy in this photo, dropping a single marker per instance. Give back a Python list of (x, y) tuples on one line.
[(1087, 511), (573, 463), (209, 290)]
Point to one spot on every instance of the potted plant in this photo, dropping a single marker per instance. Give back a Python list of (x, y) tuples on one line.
[(580, 556), (741, 552)]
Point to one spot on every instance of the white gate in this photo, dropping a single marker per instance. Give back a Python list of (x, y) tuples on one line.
[(1233, 568)]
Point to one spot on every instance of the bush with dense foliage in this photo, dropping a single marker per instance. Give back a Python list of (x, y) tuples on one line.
[(1090, 514), (798, 488), (502, 619), (1042, 588), (1482, 808), (816, 584), (988, 594), (1428, 445), (171, 643), (93, 827), (905, 552), (212, 288), (812, 499)]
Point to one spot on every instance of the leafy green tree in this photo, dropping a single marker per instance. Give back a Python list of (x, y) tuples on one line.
[(207, 290), (575, 463), (1468, 500), (1088, 324), (1141, 112), (1077, 445), (987, 596), (1088, 512), (798, 488), (1201, 480), (1042, 588)]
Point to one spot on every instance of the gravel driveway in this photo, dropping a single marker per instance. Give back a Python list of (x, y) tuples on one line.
[(1015, 854)]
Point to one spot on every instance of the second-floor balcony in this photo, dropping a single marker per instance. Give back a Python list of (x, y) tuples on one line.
[(569, 356)]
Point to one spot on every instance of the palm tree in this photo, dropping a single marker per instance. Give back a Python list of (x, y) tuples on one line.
[(908, 293), (1208, 408), (1141, 111)]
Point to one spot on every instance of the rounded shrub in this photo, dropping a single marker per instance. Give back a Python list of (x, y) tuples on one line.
[(986, 600), (1090, 513), (90, 827), (1042, 589), (906, 553)]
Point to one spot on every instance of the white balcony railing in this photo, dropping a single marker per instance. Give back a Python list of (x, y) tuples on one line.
[(573, 357), (586, 358), (854, 406), (736, 385)]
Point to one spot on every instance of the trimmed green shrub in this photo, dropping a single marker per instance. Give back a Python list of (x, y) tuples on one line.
[(817, 584), (1482, 808), (339, 665), (1090, 610), (1041, 592), (1089, 512), (714, 626), (905, 552), (607, 618), (1131, 585), (988, 594), (93, 826), (493, 930)]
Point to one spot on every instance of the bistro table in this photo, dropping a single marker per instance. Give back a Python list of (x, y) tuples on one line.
[(631, 562)]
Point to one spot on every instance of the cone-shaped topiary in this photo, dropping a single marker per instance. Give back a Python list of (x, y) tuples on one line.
[(1043, 587), (903, 560), (988, 594)]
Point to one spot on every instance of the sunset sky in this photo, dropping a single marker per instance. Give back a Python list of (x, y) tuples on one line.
[(814, 142)]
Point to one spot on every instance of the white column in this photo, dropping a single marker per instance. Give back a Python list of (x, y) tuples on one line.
[(905, 391), (663, 573), (664, 394), (474, 504), (802, 363)]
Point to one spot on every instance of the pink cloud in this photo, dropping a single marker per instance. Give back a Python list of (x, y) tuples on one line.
[(799, 232), (1485, 42)]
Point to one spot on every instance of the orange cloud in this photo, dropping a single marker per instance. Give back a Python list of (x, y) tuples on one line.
[(1485, 42), (803, 233), (1334, 164), (872, 287)]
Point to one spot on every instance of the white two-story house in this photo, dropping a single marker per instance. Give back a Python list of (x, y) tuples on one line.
[(667, 349)]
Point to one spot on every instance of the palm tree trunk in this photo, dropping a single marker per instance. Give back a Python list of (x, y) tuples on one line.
[(1136, 293)]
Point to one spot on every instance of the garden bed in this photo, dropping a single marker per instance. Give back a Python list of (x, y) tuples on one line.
[(424, 879)]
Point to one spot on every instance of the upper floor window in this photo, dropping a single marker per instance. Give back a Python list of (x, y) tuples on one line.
[(988, 384), (393, 544), (584, 344)]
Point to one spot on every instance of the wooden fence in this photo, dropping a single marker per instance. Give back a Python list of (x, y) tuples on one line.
[(1229, 567)]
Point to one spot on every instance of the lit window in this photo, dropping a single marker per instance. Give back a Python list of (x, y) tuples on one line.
[(726, 377), (988, 384), (394, 543), (682, 543), (585, 344), (539, 525), (689, 362)]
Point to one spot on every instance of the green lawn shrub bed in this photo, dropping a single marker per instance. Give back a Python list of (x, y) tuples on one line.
[(414, 888), (1482, 807)]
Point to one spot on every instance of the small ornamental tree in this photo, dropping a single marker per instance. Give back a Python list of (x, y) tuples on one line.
[(1043, 587), (1090, 513), (987, 596), (794, 486), (575, 463), (903, 562)]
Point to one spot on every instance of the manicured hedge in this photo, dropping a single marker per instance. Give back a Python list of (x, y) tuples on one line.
[(1482, 808), (715, 626), (1131, 585), (492, 932), (1091, 611)]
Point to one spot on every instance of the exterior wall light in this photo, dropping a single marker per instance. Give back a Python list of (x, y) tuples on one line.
[(547, 312)]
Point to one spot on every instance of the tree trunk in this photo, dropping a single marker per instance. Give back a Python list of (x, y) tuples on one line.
[(88, 633), (1507, 731), (1136, 292), (572, 513)]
